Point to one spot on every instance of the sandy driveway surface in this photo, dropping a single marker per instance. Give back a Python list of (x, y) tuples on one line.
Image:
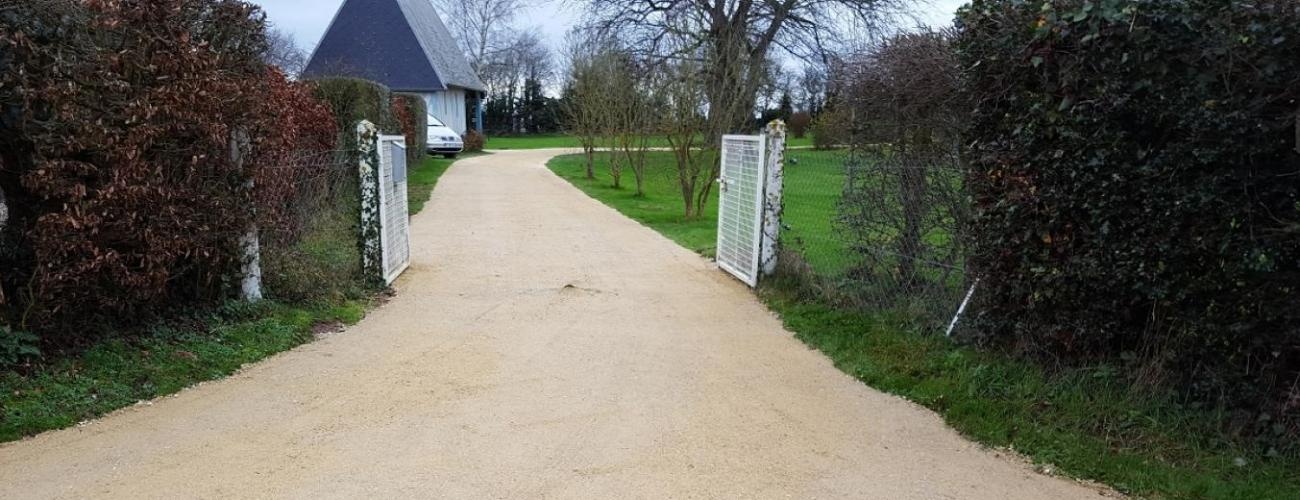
[(541, 346)]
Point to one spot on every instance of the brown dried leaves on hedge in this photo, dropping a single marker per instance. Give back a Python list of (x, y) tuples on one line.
[(117, 120)]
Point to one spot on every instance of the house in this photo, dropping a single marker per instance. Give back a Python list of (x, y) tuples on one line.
[(404, 45)]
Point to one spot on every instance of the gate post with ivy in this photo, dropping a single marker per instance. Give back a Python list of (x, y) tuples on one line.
[(372, 259), (772, 196)]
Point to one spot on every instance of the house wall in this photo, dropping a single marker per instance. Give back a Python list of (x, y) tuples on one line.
[(448, 106)]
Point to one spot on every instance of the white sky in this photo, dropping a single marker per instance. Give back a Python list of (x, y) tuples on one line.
[(306, 20)]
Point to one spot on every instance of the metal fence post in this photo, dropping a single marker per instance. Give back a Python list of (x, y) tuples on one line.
[(772, 193)]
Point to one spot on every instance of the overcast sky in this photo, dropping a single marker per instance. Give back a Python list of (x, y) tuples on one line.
[(306, 20)]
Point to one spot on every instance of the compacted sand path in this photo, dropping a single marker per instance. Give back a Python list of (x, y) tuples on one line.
[(540, 346)]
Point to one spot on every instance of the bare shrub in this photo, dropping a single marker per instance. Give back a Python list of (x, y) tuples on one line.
[(905, 206), (799, 123)]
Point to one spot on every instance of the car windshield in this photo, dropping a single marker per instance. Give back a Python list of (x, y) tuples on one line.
[(433, 122)]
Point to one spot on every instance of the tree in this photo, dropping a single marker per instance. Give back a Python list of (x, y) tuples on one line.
[(582, 108), (283, 52), (684, 99), (734, 37), (507, 75), (484, 28), (799, 123), (812, 89), (732, 41)]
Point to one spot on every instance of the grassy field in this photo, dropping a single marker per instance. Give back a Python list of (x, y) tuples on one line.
[(813, 178), (1085, 423), (175, 354), (544, 141)]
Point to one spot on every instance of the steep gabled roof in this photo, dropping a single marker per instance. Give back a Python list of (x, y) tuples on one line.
[(400, 43)]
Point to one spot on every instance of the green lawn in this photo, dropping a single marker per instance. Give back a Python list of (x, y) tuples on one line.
[(1086, 423), (540, 141), (661, 208), (544, 141), (813, 181)]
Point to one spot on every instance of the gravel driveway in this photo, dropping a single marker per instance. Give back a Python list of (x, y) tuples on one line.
[(540, 346)]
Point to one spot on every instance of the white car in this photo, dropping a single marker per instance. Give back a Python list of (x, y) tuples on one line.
[(443, 140)]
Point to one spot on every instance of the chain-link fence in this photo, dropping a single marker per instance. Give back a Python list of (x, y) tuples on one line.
[(875, 229), (308, 225)]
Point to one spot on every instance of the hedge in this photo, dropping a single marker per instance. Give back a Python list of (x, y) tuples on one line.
[(1136, 185), (115, 137), (352, 100), (412, 115)]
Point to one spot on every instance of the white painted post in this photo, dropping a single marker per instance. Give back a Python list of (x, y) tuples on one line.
[(962, 308), (772, 192), (4, 210), (251, 285)]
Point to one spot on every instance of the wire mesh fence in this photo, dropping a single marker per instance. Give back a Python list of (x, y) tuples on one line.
[(308, 224), (878, 230)]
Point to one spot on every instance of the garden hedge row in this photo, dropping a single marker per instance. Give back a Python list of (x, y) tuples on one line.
[(115, 138), (1137, 191), (412, 115), (117, 124), (352, 100)]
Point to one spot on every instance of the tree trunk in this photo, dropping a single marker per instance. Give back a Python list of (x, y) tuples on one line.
[(590, 152)]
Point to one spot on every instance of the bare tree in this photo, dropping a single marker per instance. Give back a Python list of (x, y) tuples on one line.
[(283, 52), (811, 89), (484, 28), (583, 102), (630, 111), (733, 40), (906, 93), (508, 73), (682, 91)]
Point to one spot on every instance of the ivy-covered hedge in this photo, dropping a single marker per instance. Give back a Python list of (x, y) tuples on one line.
[(412, 115), (1137, 192)]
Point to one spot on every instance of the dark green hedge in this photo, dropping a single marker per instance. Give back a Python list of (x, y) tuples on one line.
[(1135, 179), (353, 100)]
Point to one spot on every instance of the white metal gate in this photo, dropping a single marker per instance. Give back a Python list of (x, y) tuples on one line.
[(393, 211), (740, 206)]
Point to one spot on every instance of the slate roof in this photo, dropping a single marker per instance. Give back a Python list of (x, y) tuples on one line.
[(400, 43)]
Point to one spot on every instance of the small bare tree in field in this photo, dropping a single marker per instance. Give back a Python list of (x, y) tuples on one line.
[(609, 104), (629, 113), (607, 64), (581, 104), (905, 92), (681, 120)]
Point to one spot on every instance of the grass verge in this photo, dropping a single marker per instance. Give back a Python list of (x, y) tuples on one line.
[(165, 359), (1086, 423)]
